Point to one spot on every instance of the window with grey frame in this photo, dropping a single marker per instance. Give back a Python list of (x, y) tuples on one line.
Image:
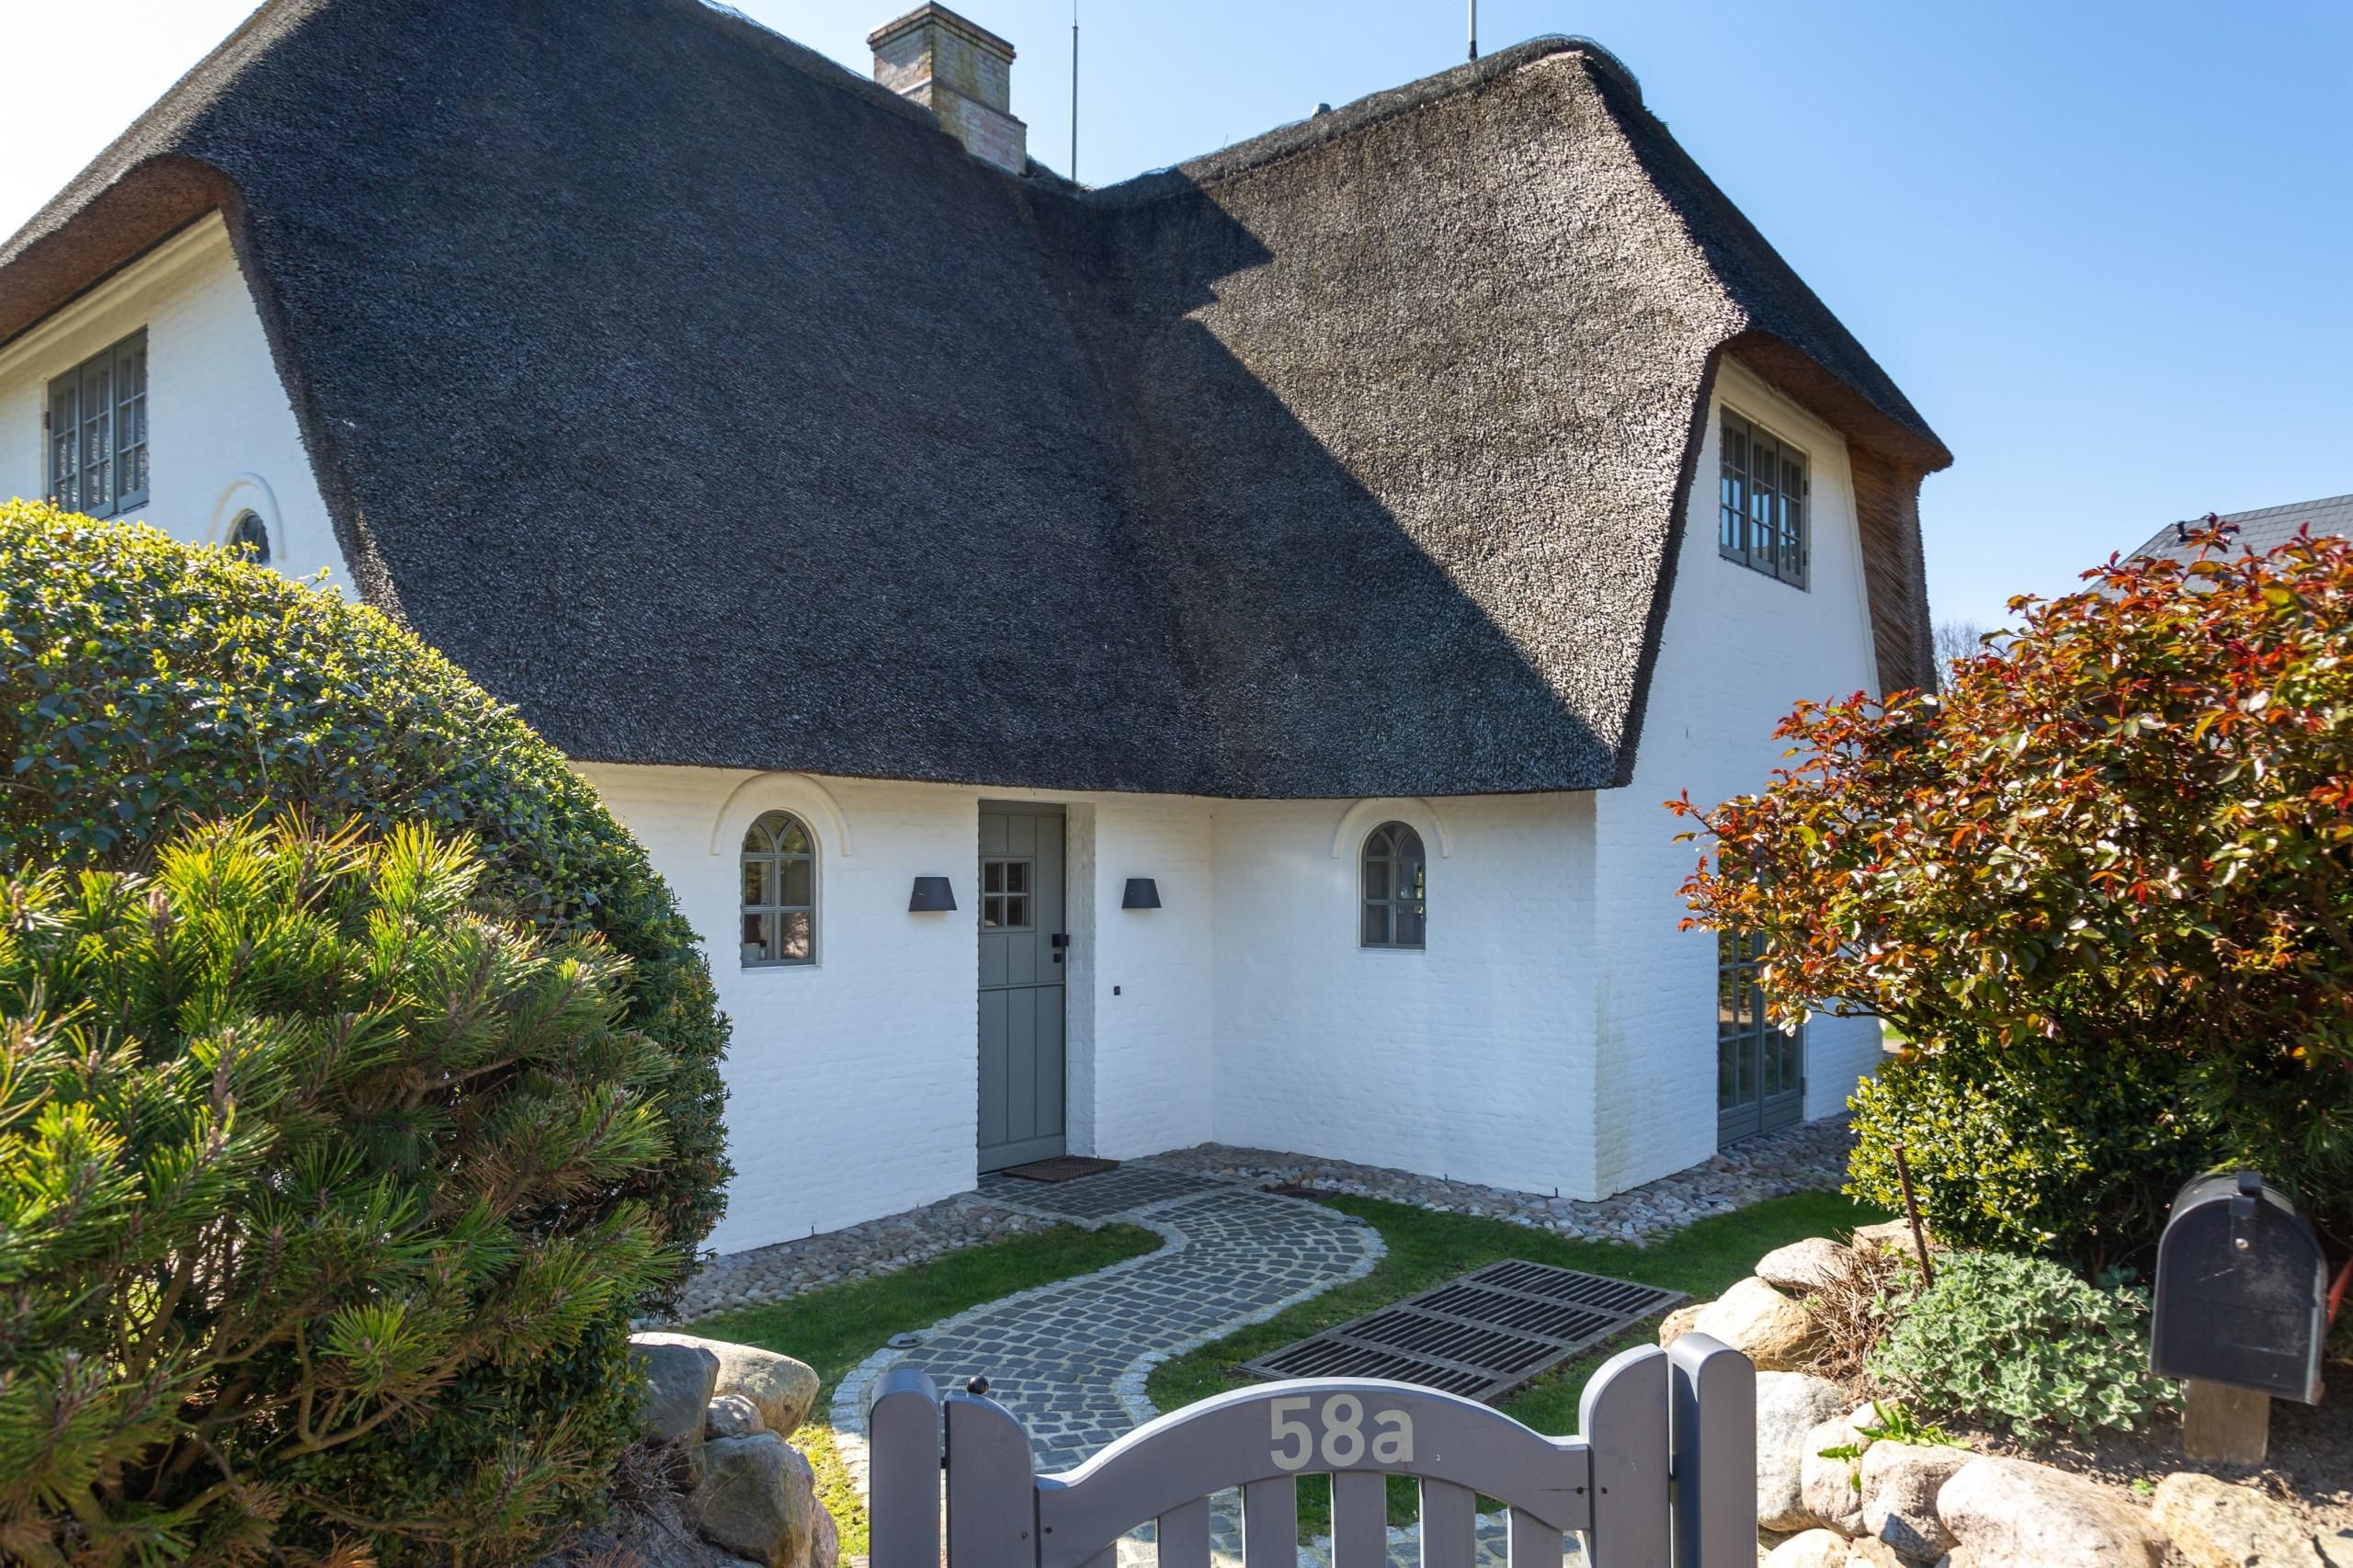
[(779, 893), (1396, 888), (98, 431), (1762, 502), (1760, 1067)]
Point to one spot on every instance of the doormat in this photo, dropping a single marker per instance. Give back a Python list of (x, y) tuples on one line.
[(1067, 1167), (1484, 1335)]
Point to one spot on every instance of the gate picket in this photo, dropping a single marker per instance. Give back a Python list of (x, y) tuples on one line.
[(1184, 1535), (1270, 1524), (1359, 1520), (1449, 1524)]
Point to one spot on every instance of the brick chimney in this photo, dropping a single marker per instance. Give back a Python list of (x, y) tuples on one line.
[(962, 73)]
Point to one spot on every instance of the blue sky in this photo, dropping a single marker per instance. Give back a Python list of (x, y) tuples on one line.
[(2108, 249)]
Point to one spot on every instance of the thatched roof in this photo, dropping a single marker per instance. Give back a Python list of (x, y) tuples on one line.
[(710, 405)]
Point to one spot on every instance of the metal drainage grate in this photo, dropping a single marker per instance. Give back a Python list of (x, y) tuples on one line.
[(1482, 1335)]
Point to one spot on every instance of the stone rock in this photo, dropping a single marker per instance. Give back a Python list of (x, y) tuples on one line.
[(1870, 1554), (1900, 1485), (1957, 1558), (2216, 1524), (1678, 1322), (1789, 1405), (677, 1382), (1803, 1265), (758, 1499), (1759, 1322), (2336, 1546), (732, 1416), (2013, 1514), (825, 1540), (1891, 1235), (1830, 1489), (780, 1388), (1814, 1549)]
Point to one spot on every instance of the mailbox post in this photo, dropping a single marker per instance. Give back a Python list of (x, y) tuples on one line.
[(2241, 1312)]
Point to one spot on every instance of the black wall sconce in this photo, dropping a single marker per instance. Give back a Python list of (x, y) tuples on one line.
[(932, 896), (1143, 893)]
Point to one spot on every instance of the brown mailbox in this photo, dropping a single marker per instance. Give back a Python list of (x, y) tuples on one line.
[(2242, 1290)]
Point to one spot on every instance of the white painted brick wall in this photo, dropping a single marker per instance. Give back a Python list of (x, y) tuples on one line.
[(221, 435), (1739, 648), (1470, 1058), (1152, 1070)]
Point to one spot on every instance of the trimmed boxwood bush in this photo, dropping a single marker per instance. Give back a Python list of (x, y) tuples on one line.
[(146, 683), (309, 1191)]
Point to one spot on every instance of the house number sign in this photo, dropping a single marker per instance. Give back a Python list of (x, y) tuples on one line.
[(1343, 1442)]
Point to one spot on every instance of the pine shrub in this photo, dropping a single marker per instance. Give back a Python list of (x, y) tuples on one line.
[(312, 1182), (146, 683)]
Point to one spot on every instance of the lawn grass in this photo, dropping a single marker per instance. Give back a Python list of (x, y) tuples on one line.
[(834, 1327), (1427, 1249)]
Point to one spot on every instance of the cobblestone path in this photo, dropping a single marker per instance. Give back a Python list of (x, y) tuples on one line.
[(1069, 1358)]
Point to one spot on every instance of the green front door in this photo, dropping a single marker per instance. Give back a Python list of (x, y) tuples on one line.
[(1760, 1071), (1024, 954)]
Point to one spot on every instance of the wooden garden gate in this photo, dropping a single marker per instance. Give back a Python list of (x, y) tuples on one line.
[(1663, 1475)]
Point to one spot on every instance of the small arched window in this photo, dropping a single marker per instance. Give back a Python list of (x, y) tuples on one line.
[(779, 891), (1396, 892), (249, 537)]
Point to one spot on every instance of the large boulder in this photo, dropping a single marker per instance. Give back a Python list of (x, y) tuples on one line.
[(1803, 1265), (1890, 1235), (676, 1380), (1679, 1322), (732, 1416), (825, 1540), (1789, 1405), (2337, 1545), (2216, 1524), (780, 1388), (757, 1499), (1900, 1485), (2012, 1514), (1760, 1323), (1814, 1549), (1830, 1488)]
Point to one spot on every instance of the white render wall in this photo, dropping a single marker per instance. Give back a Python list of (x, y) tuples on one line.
[(1470, 1058), (221, 435), (1739, 650)]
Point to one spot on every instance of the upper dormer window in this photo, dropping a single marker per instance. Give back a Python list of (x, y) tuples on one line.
[(1761, 512), (98, 431)]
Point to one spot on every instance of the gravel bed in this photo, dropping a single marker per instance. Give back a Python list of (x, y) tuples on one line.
[(1811, 1157), (785, 1269)]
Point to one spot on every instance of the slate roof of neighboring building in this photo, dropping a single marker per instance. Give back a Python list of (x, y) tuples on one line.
[(2263, 529), (709, 403)]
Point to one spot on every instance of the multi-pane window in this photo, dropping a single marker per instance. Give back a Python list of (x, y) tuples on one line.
[(1396, 892), (98, 431), (249, 537), (779, 891), (1761, 503), (1005, 893), (1759, 1067)]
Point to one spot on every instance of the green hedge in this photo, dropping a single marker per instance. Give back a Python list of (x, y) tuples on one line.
[(146, 683)]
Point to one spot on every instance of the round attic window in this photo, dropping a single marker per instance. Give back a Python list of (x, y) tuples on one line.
[(249, 536)]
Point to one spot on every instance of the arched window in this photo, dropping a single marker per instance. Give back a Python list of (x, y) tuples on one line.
[(249, 536), (779, 891), (1396, 892)]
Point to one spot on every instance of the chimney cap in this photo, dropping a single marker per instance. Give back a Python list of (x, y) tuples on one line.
[(945, 17)]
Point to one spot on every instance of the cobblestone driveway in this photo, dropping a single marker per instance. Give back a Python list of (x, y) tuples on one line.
[(1069, 1358)]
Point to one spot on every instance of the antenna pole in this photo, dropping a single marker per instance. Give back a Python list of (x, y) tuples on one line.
[(1474, 28), (1074, 91)]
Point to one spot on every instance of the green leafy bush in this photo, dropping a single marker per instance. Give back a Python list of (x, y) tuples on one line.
[(2036, 1147), (146, 683), (2003, 1339), (2125, 835), (311, 1174)]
